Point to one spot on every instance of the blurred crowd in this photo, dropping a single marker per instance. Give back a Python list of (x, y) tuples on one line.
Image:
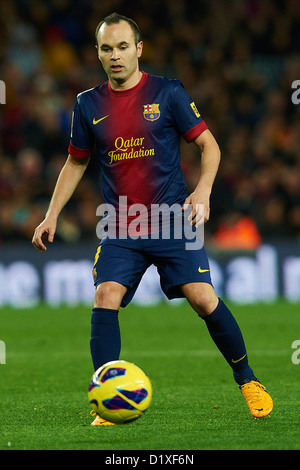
[(236, 58)]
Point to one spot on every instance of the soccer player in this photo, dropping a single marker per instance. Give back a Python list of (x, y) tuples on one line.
[(134, 122)]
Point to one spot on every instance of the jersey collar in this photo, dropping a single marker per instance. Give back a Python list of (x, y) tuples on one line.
[(130, 90)]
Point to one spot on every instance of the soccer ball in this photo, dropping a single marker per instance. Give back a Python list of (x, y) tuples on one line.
[(120, 392)]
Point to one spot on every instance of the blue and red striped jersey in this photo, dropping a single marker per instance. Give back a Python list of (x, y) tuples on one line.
[(135, 136)]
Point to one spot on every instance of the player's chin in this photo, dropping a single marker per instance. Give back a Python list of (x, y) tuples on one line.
[(118, 74)]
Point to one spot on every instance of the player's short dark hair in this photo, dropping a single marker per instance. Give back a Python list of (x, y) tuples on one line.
[(115, 18)]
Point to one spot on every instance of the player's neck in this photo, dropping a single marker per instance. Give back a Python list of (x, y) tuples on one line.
[(128, 83)]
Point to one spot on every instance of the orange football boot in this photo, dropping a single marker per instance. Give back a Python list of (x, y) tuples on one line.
[(100, 421), (259, 402)]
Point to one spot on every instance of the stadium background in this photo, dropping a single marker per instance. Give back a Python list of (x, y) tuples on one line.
[(237, 59)]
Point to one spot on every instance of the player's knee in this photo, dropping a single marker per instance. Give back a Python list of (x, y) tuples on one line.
[(205, 304), (109, 295), (203, 299)]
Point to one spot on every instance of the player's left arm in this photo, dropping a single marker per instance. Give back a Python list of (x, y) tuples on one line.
[(200, 197)]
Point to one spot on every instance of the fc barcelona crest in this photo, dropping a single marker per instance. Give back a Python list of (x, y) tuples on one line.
[(151, 112)]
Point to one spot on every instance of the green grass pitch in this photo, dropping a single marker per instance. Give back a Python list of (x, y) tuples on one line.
[(196, 404)]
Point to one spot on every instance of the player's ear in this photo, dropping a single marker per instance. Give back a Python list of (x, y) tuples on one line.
[(139, 48), (97, 49)]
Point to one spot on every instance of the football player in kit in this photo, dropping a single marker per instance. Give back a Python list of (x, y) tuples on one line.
[(133, 123)]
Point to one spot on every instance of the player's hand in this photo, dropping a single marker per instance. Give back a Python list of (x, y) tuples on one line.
[(48, 226), (198, 201)]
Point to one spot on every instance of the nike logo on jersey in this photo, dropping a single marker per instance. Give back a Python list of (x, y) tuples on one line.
[(98, 120), (238, 360), (202, 270)]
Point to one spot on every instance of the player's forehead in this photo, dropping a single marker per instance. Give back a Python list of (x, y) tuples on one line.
[(115, 34)]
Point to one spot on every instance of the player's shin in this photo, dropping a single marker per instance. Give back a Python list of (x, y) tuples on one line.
[(227, 336), (105, 342)]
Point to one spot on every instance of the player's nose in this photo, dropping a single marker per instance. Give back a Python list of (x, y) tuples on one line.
[(115, 54)]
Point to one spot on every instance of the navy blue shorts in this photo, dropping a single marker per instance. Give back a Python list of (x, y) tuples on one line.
[(125, 262)]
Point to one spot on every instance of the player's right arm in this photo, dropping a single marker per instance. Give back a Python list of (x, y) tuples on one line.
[(66, 184)]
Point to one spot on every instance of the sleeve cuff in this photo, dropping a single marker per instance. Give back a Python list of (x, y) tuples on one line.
[(76, 152), (195, 131)]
